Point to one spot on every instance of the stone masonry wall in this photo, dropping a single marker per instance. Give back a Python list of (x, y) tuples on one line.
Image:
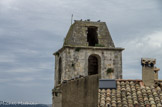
[(81, 92), (77, 34), (75, 63), (57, 100)]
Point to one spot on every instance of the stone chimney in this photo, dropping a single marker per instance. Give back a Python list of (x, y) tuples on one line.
[(149, 71)]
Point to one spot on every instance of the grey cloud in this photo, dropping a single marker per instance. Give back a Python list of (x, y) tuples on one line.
[(31, 31), (147, 46)]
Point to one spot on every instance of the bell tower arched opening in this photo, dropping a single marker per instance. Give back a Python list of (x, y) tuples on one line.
[(93, 65), (60, 70), (92, 38)]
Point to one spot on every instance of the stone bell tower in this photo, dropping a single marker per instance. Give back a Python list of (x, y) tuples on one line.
[(88, 50)]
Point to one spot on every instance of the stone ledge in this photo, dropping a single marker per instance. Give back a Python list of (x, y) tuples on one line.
[(90, 47)]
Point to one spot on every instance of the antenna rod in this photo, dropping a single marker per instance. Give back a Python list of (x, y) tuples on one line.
[(71, 19)]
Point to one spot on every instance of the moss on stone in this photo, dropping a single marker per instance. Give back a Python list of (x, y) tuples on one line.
[(99, 45), (77, 49), (109, 70)]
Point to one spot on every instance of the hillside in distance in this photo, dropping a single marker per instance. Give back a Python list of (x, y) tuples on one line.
[(20, 105), (7, 104)]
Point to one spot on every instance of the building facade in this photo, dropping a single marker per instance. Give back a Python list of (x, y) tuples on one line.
[(88, 50)]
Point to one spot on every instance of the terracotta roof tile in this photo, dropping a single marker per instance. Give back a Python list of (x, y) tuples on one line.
[(131, 93)]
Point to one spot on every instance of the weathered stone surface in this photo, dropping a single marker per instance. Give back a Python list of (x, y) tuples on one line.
[(149, 71), (76, 63), (88, 50), (75, 53), (81, 92), (77, 34)]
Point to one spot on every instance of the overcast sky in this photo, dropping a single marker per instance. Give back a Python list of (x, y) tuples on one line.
[(31, 30)]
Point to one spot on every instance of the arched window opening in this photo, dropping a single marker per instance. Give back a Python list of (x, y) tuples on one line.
[(92, 65), (92, 38), (60, 71)]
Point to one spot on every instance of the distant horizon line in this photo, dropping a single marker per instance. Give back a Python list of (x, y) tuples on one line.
[(21, 102)]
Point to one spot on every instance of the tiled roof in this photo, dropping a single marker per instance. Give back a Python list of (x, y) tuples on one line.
[(131, 93)]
